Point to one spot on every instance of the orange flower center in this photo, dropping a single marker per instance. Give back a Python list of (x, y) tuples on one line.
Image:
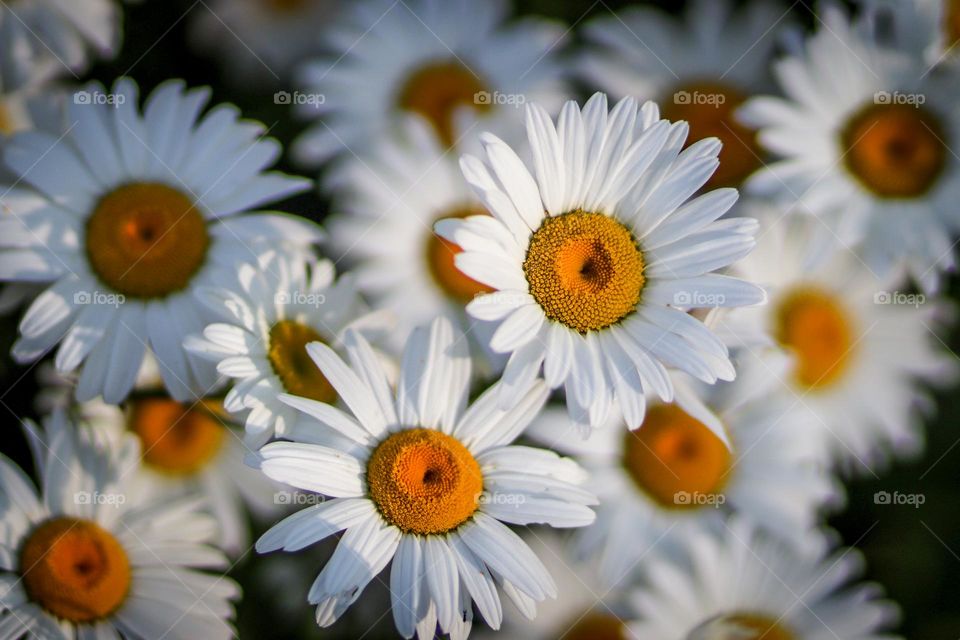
[(895, 150), (75, 570), (585, 270), (675, 459), (424, 481), (440, 260), (177, 439), (146, 240), (435, 91), (288, 356), (709, 107), (749, 626), (816, 328), (596, 626)]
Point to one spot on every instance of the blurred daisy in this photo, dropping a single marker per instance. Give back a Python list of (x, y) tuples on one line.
[(928, 28), (261, 38), (277, 307), (847, 334), (425, 481), (389, 205), (40, 38), (744, 584), (588, 257), (688, 464), (126, 216), (699, 70), (92, 556), (865, 137), (451, 61)]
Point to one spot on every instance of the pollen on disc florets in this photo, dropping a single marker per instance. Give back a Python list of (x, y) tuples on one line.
[(289, 359), (177, 439), (585, 270), (424, 481), (75, 569)]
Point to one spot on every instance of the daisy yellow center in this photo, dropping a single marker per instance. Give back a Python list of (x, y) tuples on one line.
[(585, 270), (440, 259), (436, 90), (755, 627), (596, 626), (146, 240), (75, 570), (175, 438), (895, 150), (675, 459), (424, 481), (709, 108), (815, 326), (952, 19), (297, 371)]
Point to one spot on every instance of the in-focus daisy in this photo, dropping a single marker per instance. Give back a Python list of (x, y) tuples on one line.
[(700, 69), (591, 258), (124, 216), (928, 28), (389, 205), (261, 38), (865, 136), (425, 481), (742, 584), (276, 307), (858, 345), (689, 464), (41, 38), (94, 557), (450, 61)]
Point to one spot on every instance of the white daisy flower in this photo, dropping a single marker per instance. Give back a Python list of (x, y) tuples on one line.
[(741, 583), (124, 216), (41, 38), (450, 61), (699, 69), (689, 464), (92, 556), (389, 205), (865, 136), (847, 334), (426, 481), (591, 258), (261, 38), (929, 29), (275, 309)]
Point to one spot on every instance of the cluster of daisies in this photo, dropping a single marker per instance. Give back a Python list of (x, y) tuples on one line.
[(671, 318)]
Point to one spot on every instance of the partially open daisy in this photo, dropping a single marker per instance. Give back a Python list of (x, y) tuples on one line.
[(595, 260), (389, 204), (94, 556), (740, 583), (858, 345), (688, 465), (42, 38), (450, 62), (276, 307), (424, 480), (865, 136), (699, 70), (124, 216)]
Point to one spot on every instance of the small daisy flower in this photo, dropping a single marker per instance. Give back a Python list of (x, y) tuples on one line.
[(741, 583), (124, 216), (93, 556), (277, 307), (261, 38), (389, 205), (41, 38), (929, 29), (425, 481), (865, 136), (688, 464), (452, 62), (700, 69), (591, 258), (846, 334)]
